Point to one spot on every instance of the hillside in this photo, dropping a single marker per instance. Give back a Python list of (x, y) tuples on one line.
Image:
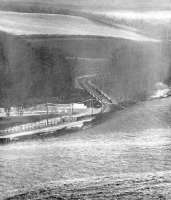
[(125, 69), (42, 54), (28, 74)]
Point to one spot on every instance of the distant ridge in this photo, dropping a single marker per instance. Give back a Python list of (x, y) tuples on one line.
[(21, 24), (53, 5)]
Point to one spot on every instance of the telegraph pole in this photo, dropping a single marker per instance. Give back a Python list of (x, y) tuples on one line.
[(91, 106), (101, 107), (71, 108), (47, 113)]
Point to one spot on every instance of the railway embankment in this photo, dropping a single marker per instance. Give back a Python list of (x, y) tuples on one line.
[(68, 122)]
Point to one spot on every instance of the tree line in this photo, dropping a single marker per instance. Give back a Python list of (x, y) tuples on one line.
[(47, 74)]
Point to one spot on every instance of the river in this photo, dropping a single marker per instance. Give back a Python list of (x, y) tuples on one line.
[(127, 156)]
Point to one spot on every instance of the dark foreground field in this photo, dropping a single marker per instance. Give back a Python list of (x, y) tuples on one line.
[(134, 187)]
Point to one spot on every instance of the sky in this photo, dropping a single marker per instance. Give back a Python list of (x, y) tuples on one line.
[(105, 7), (94, 4), (56, 24)]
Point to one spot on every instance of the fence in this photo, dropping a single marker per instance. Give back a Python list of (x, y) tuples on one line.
[(49, 122), (38, 125)]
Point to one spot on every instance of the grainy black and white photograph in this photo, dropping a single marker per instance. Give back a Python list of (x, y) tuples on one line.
[(85, 100)]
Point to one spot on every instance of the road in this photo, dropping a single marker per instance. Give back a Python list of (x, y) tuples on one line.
[(85, 83), (55, 123)]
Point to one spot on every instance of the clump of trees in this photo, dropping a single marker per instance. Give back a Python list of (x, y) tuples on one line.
[(5, 78), (51, 75), (134, 70), (35, 75)]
